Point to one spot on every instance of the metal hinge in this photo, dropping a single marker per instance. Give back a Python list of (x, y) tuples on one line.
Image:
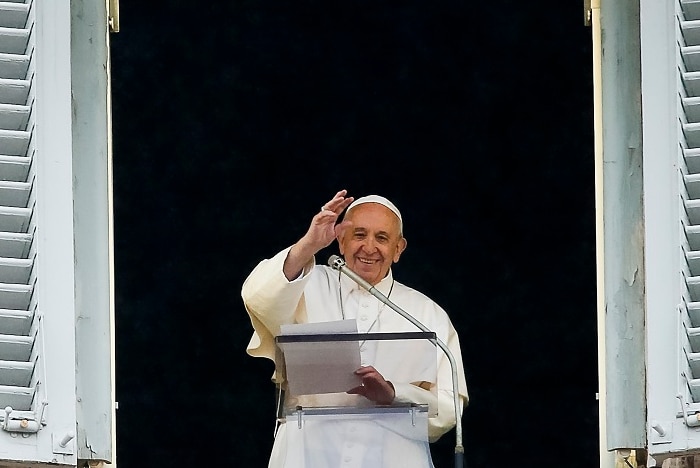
[(113, 15), (587, 12)]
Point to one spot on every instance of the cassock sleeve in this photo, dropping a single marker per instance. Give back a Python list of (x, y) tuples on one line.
[(271, 301)]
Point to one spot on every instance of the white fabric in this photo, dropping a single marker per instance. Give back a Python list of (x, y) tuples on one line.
[(357, 441), (271, 300)]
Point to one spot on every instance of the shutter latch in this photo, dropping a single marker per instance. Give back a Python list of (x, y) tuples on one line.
[(24, 424)]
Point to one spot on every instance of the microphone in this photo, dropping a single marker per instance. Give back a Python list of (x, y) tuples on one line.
[(337, 263)]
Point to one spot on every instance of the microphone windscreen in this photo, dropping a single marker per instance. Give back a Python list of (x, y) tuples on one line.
[(335, 262)]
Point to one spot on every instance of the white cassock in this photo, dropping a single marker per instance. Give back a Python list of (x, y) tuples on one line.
[(322, 294)]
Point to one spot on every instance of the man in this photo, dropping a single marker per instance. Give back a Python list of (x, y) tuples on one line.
[(291, 288)]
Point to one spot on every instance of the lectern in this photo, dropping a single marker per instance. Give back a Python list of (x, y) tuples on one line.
[(325, 426)]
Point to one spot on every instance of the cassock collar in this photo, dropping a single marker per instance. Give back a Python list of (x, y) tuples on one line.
[(384, 286)]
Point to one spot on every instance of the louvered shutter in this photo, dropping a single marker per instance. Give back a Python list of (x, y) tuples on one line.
[(20, 367), (24, 378), (648, 213), (688, 55), (670, 95), (56, 366)]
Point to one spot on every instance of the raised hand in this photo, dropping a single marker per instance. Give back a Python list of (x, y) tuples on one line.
[(322, 230), (320, 234)]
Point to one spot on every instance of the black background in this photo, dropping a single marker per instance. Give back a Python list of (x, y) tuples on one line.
[(234, 121)]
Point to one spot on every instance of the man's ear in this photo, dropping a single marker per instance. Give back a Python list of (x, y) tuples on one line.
[(400, 247), (340, 244)]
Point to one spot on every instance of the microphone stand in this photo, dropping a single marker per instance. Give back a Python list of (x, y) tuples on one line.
[(338, 263)]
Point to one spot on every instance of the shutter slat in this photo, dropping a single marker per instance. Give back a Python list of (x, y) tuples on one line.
[(694, 362), (15, 245), (691, 34), (692, 185), (13, 40), (694, 262), (693, 339), (692, 159), (13, 15), (16, 374), (694, 313), (15, 296), (15, 194), (14, 168), (692, 208), (15, 322), (694, 385), (691, 83), (15, 270), (18, 398), (693, 284), (14, 117), (14, 91), (692, 134), (14, 219), (692, 234), (691, 9), (691, 106), (14, 143), (15, 347), (14, 66)]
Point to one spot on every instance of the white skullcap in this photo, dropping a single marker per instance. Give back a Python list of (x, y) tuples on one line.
[(381, 201)]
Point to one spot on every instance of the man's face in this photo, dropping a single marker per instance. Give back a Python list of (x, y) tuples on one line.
[(372, 242)]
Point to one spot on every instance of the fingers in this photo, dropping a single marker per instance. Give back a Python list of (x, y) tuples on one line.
[(359, 390), (374, 387), (338, 203), (366, 371), (322, 230)]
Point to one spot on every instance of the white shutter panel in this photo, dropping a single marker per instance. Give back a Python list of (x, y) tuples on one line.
[(19, 373), (689, 165), (56, 302), (670, 76), (649, 125)]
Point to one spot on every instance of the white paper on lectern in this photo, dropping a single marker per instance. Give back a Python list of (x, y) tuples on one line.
[(321, 367)]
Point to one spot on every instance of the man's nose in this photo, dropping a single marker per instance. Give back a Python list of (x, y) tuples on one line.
[(369, 245)]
